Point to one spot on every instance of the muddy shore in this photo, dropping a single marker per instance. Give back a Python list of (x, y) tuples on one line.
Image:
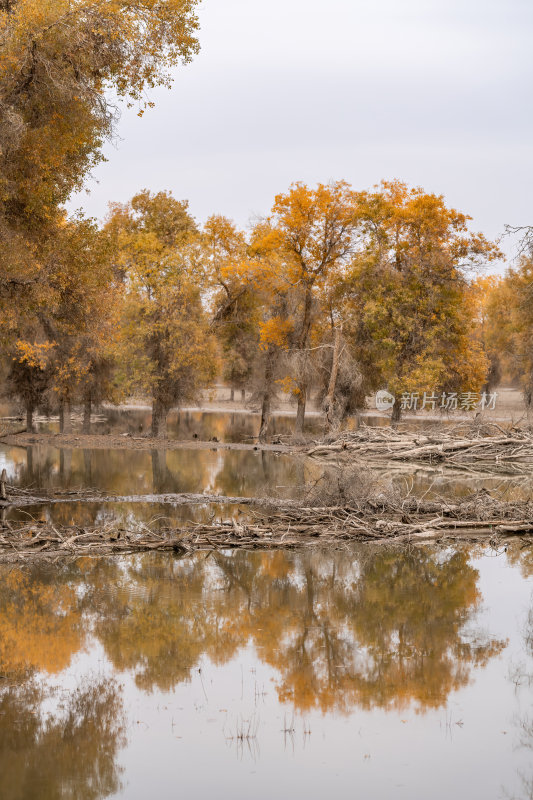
[(127, 442)]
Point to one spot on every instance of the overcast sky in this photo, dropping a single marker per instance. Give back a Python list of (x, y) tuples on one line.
[(434, 92)]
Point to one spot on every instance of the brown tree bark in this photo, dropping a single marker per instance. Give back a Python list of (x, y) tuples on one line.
[(29, 417), (159, 420), (64, 416), (243, 395), (396, 411), (265, 417), (300, 410), (302, 344), (266, 406), (330, 396)]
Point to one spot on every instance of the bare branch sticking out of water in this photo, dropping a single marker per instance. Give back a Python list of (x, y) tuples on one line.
[(380, 517)]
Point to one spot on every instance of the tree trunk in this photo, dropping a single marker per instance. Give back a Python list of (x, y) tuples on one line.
[(29, 417), (306, 321), (302, 344), (87, 408), (265, 416), (3, 480), (396, 411), (300, 410), (159, 420), (64, 416), (266, 406), (330, 396), (243, 395), (232, 394)]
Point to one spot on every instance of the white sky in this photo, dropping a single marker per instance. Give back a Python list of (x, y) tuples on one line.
[(434, 92)]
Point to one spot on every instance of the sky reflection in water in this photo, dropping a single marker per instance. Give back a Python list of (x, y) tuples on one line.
[(360, 672), (367, 671)]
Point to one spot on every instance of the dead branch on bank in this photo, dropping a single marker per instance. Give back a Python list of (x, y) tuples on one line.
[(485, 447), (383, 519)]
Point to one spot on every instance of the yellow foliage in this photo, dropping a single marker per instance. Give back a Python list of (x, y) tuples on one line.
[(33, 354), (275, 331)]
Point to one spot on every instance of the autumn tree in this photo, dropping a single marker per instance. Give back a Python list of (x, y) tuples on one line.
[(29, 375), (59, 59), (509, 324), (83, 322), (66, 355), (413, 314), (235, 301), (311, 232), (489, 328), (62, 62), (275, 323), (167, 347)]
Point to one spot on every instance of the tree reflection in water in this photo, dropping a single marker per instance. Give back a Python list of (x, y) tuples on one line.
[(343, 629), (70, 754), (126, 472), (40, 623), (383, 630)]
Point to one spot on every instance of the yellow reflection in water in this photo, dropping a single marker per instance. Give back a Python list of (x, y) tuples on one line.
[(40, 624), (380, 629), (69, 754), (384, 629)]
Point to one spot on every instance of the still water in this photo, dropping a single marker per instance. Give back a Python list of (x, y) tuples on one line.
[(356, 673), (360, 672), (227, 426), (235, 473)]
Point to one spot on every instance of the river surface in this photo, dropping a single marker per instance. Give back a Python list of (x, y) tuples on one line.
[(234, 473), (356, 673), (362, 672), (241, 425)]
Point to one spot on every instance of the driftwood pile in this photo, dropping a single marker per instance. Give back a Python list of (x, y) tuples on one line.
[(485, 447), (385, 520)]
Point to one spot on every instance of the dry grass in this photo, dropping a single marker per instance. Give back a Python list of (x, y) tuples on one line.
[(348, 486)]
